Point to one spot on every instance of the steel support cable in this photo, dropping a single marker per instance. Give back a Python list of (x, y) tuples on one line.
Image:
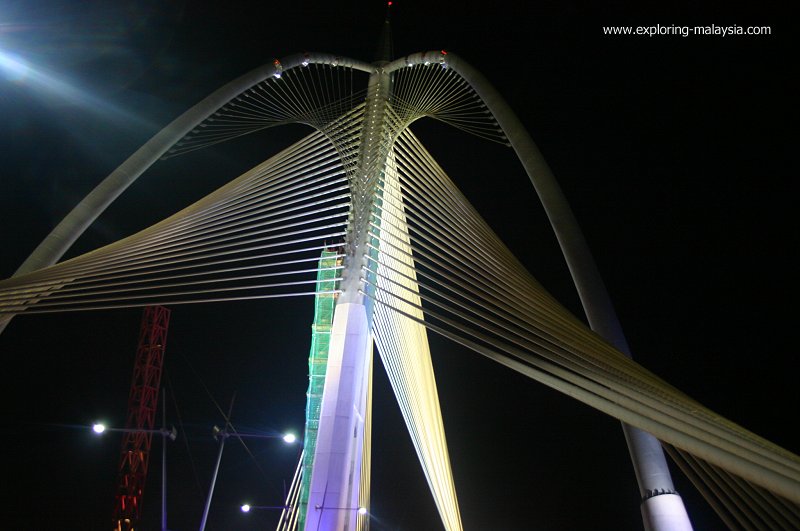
[(774, 515), (126, 303), (246, 216), (214, 251), (598, 339), (366, 454), (737, 432), (791, 507), (147, 300), (408, 384), (290, 509), (314, 87), (250, 103), (645, 453), (129, 279), (10, 307), (492, 95), (299, 85), (744, 512), (703, 485), (167, 261), (156, 228), (277, 178), (142, 252), (112, 266), (478, 285), (435, 183), (382, 235), (497, 302), (333, 112), (281, 94), (531, 343), (233, 231), (404, 377), (410, 378), (786, 510), (226, 253), (466, 217), (595, 396), (508, 312), (278, 187), (435, 248), (443, 491), (462, 109), (76, 296), (711, 427), (430, 213), (277, 102), (789, 513), (537, 337), (727, 508), (75, 223), (313, 110), (441, 92), (193, 144), (124, 242), (759, 442), (156, 286), (421, 88), (489, 287), (423, 189), (421, 81)]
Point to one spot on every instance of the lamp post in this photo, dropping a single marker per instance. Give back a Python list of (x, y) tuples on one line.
[(221, 435), (246, 508)]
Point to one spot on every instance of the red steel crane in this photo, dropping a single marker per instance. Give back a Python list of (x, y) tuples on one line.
[(142, 406)]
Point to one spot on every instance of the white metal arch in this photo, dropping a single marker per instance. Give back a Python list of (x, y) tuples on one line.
[(650, 465), (84, 213)]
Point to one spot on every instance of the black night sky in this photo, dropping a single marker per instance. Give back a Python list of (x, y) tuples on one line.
[(674, 152)]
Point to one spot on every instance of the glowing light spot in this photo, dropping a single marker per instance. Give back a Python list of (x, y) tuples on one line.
[(99, 428), (13, 68), (245, 508), (289, 438)]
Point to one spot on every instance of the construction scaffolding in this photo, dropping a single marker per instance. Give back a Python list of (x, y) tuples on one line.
[(324, 304)]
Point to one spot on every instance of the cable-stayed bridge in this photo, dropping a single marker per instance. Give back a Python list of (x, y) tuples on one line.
[(409, 252)]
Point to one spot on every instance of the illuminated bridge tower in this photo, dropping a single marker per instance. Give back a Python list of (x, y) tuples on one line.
[(334, 488), (415, 257)]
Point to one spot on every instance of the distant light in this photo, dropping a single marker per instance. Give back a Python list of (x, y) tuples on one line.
[(99, 428), (14, 68), (388, 3), (245, 508), (362, 510), (289, 438)]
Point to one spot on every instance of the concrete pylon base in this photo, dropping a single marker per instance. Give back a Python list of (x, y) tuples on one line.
[(336, 471), (665, 511)]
